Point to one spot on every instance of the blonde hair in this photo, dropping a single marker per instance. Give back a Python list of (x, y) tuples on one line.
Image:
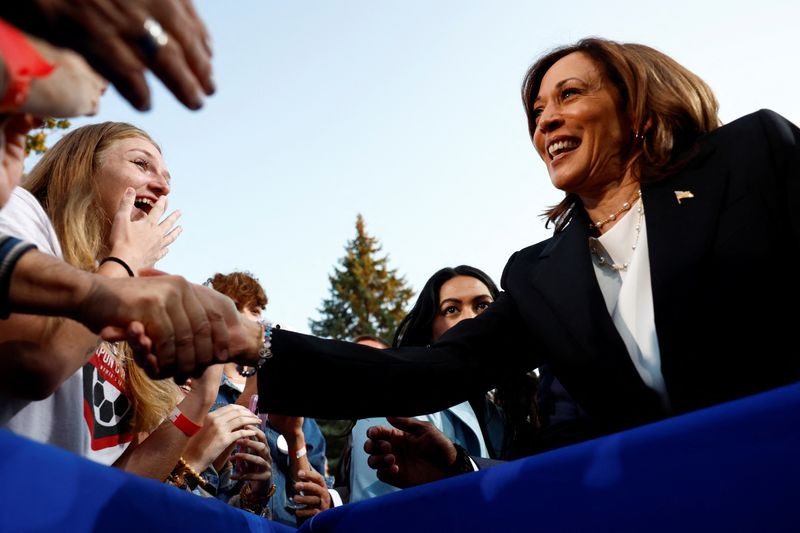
[(669, 107), (64, 183), (152, 400)]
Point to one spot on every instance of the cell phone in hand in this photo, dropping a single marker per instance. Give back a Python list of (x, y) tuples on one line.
[(241, 466), (254, 408)]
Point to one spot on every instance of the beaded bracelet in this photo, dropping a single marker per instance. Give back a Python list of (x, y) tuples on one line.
[(183, 475), (248, 496), (264, 352), (255, 504)]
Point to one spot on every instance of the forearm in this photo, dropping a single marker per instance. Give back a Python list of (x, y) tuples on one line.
[(296, 442), (471, 357), (443, 377), (44, 285), (156, 455), (38, 354)]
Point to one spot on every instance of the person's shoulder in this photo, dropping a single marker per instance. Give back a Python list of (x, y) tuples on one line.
[(530, 252), (21, 200), (754, 124), (23, 216), (522, 257)]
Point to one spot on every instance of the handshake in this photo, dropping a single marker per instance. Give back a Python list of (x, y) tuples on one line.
[(175, 328)]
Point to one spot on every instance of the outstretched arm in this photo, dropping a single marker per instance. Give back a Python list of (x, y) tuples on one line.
[(188, 326), (471, 357)]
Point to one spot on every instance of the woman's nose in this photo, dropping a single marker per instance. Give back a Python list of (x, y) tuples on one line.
[(550, 119), (160, 185)]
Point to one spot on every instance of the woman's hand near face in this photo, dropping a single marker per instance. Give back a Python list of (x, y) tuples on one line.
[(141, 243)]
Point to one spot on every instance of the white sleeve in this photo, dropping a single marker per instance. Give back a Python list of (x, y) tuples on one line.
[(336, 498), (23, 217)]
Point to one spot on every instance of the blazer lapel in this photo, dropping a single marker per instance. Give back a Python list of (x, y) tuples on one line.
[(680, 235), (595, 360), (681, 214), (573, 292)]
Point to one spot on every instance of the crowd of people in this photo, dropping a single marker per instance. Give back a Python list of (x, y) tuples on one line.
[(670, 260)]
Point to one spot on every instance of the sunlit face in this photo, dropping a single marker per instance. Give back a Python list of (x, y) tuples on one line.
[(132, 162), (582, 133), (460, 298)]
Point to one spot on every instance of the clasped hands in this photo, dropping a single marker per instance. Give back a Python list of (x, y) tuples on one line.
[(175, 328)]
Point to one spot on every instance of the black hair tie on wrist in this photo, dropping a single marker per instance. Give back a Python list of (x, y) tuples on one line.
[(119, 262)]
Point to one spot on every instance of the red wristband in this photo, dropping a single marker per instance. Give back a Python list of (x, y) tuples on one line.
[(188, 427), (23, 63)]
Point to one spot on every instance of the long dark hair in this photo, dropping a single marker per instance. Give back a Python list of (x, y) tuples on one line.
[(417, 326)]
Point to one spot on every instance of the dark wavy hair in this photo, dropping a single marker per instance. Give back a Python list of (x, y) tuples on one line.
[(416, 328)]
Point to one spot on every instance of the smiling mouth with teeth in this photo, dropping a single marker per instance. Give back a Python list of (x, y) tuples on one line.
[(559, 147), (145, 204)]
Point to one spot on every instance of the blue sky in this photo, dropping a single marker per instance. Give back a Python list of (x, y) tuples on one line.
[(409, 113)]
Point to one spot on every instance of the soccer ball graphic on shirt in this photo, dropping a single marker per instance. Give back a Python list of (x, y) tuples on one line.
[(108, 402)]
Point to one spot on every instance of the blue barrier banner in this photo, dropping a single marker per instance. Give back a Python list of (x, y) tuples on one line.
[(732, 467), (48, 489)]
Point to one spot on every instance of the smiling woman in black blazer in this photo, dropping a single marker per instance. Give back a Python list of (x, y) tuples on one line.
[(667, 286)]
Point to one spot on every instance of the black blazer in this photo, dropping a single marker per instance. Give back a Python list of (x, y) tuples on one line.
[(724, 266)]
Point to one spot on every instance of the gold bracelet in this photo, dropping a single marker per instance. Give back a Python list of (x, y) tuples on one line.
[(184, 475), (177, 482), (247, 495), (254, 504)]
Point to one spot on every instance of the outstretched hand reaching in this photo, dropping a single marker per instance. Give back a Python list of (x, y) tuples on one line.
[(410, 453)]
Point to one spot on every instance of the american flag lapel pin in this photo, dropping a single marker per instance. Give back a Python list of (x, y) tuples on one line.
[(683, 195)]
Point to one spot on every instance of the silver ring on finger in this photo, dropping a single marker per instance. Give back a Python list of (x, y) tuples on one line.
[(152, 39)]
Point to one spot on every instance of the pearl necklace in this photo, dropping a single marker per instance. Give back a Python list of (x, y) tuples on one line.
[(620, 267), (613, 216)]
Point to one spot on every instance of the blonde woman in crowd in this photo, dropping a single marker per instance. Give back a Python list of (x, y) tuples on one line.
[(96, 199)]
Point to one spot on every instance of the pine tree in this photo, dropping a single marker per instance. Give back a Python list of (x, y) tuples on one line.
[(366, 296)]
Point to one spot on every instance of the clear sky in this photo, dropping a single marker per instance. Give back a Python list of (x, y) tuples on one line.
[(409, 113)]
